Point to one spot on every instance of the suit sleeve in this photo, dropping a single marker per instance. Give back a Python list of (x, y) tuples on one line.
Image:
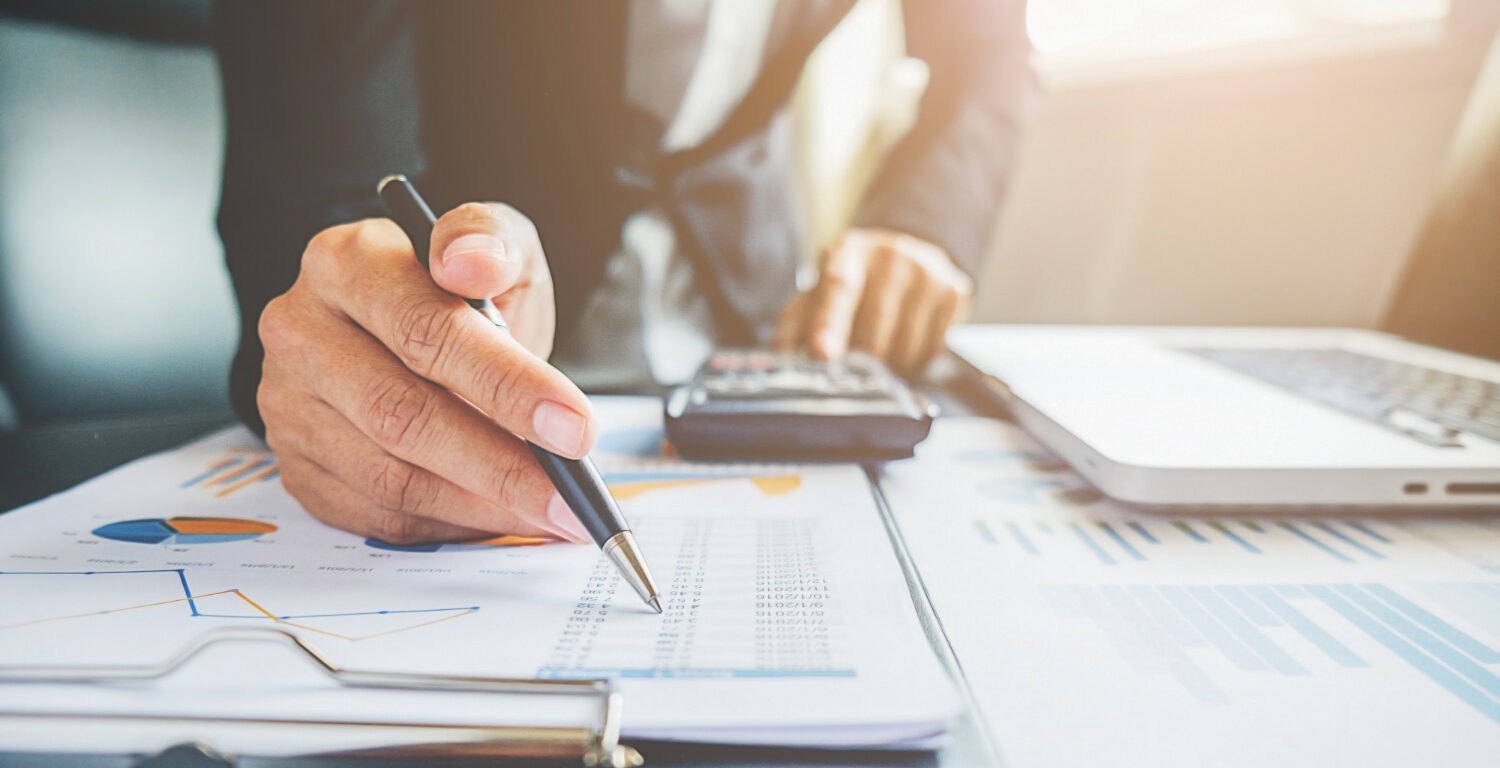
[(944, 181), (319, 102)]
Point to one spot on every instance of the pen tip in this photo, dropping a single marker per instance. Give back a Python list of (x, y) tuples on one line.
[(655, 602)]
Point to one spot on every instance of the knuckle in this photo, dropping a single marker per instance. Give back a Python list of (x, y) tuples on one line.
[(500, 385), (393, 485), (510, 484), (368, 235), (268, 403), (472, 211), (961, 284), (923, 282), (838, 281), (425, 328), (398, 411), (274, 441), (323, 250), (473, 217), (331, 249), (276, 326)]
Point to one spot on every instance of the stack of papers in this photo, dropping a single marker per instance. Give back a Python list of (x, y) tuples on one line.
[(1092, 635), (787, 618)]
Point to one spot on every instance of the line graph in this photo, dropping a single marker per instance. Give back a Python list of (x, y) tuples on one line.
[(258, 610)]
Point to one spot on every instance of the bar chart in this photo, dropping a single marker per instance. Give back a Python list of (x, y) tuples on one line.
[(1116, 541), (1297, 631), (1129, 637), (235, 472)]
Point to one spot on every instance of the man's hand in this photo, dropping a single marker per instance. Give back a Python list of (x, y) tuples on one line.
[(395, 409), (884, 292)]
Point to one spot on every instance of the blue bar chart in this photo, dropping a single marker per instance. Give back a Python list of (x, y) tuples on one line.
[(1114, 542), (1297, 631)]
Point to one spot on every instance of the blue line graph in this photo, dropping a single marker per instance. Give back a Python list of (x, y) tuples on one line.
[(1257, 629), (191, 598)]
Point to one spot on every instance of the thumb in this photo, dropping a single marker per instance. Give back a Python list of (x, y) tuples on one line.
[(473, 253)]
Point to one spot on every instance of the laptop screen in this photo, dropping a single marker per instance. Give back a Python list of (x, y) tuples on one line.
[(1450, 294)]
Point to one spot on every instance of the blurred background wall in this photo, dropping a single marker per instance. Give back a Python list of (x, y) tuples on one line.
[(1191, 170), (113, 296)]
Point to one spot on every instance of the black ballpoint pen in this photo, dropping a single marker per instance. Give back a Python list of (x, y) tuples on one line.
[(577, 480)]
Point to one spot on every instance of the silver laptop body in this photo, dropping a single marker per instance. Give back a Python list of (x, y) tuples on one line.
[(1251, 417)]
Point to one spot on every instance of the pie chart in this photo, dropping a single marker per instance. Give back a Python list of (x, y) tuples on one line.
[(184, 530)]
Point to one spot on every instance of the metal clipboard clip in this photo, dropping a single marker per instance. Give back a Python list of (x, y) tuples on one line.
[(597, 746)]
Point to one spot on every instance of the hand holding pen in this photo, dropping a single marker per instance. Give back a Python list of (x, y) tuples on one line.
[(578, 482), (396, 410)]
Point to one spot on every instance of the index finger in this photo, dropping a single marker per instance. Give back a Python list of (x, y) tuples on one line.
[(834, 302), (440, 338)]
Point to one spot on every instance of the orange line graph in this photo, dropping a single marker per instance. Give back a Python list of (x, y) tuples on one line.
[(122, 609), (449, 615)]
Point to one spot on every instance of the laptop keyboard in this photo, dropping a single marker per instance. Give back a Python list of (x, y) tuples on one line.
[(1429, 405)]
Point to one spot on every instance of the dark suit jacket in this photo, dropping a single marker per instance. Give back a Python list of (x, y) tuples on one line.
[(523, 102)]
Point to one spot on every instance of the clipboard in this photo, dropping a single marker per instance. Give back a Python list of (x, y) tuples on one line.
[(594, 746)]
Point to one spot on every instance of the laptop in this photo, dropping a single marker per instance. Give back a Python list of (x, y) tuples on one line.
[(1407, 415), (1251, 417)]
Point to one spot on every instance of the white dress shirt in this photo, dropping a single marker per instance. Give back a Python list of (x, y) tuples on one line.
[(688, 63)]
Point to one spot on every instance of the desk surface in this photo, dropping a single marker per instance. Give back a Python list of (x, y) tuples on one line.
[(41, 461)]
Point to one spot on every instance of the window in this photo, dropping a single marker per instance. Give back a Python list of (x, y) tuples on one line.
[(1076, 32)]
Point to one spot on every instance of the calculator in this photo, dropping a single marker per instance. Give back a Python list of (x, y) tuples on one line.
[(755, 405)]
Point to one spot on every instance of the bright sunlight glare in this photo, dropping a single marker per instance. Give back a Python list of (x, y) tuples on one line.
[(1101, 29)]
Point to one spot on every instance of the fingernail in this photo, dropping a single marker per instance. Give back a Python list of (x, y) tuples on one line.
[(559, 428), (474, 258), (562, 519), (476, 245)]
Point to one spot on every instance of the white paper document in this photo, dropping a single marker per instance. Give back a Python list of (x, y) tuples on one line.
[(787, 619), (1092, 635)]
